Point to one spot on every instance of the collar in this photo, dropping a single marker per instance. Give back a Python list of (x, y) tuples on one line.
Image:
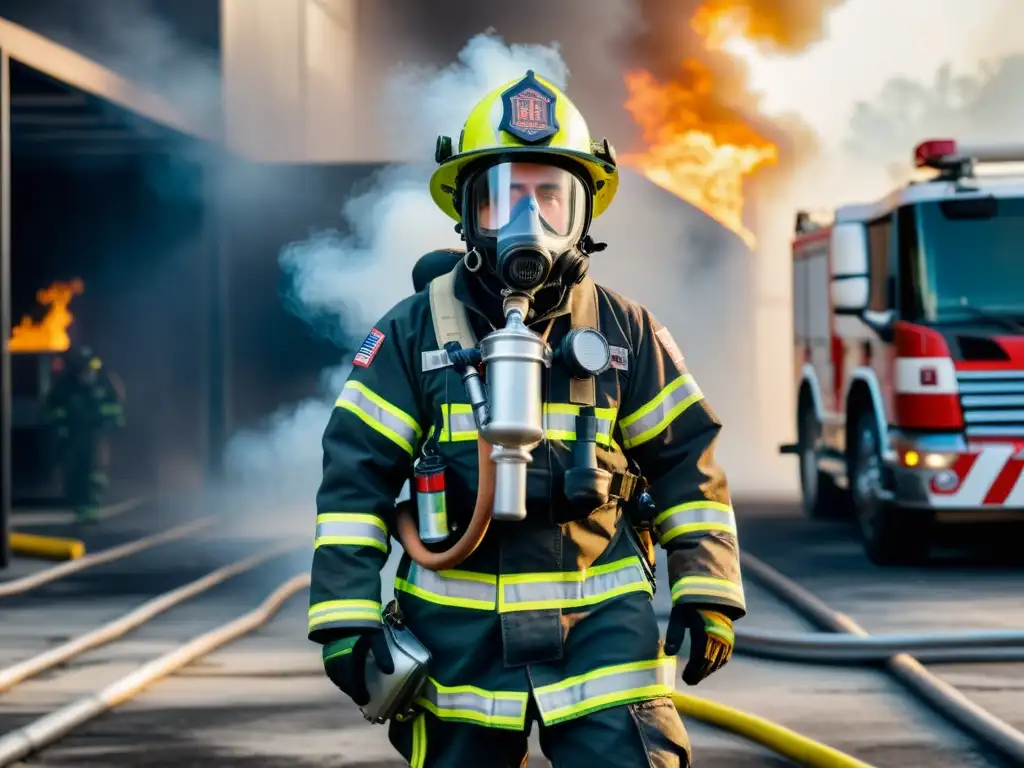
[(473, 297)]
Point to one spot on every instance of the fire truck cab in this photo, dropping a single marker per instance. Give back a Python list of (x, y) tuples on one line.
[(909, 365)]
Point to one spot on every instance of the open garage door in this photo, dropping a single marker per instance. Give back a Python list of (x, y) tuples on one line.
[(105, 241)]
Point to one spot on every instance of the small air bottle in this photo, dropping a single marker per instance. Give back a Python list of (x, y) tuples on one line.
[(428, 477)]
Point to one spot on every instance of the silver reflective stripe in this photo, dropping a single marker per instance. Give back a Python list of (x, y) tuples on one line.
[(459, 589), (654, 417), (358, 530), (694, 517), (560, 422), (605, 687), (572, 589), (696, 589), (469, 704), (344, 613), (380, 415), (459, 424)]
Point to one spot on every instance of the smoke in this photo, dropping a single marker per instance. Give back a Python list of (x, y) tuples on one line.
[(972, 107)]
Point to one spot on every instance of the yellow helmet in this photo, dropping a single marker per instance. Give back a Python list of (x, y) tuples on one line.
[(524, 117)]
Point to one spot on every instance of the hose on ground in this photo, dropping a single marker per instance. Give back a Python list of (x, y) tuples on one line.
[(774, 737), (938, 647), (944, 698)]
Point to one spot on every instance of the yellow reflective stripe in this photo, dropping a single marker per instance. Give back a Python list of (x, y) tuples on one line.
[(344, 613), (458, 589), (351, 529), (526, 591), (654, 417), (694, 517), (703, 589), (458, 423), (380, 415), (571, 589), (560, 422), (110, 409), (469, 704), (419, 742), (605, 687)]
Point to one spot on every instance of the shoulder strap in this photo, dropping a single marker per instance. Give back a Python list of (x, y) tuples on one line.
[(451, 323), (584, 315)]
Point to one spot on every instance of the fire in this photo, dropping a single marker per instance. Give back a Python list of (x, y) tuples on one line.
[(696, 148), (50, 334)]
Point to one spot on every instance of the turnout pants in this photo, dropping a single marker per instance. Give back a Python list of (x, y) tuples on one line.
[(647, 734)]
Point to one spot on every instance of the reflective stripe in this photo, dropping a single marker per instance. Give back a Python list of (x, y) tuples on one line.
[(572, 589), (344, 613), (380, 415), (351, 529), (652, 419), (460, 422), (459, 589), (605, 687), (559, 422), (526, 591), (702, 589), (469, 704), (419, 742), (694, 517), (110, 409)]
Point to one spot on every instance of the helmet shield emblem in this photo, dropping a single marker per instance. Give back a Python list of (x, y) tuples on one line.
[(529, 111)]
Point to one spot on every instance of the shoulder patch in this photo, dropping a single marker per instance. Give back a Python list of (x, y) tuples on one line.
[(620, 358), (368, 349), (664, 337)]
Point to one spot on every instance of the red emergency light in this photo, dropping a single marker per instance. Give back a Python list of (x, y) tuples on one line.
[(935, 153)]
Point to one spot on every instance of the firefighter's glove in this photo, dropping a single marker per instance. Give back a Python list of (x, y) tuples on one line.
[(711, 640), (345, 662)]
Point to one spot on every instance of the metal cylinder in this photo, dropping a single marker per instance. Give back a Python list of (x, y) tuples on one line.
[(515, 357), (510, 465), (428, 477)]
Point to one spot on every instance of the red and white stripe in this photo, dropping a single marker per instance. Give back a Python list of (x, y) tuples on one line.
[(991, 475)]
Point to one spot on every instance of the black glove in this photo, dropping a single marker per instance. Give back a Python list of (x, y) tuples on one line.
[(345, 662), (711, 640)]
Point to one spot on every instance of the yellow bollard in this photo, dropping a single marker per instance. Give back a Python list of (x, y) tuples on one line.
[(48, 547)]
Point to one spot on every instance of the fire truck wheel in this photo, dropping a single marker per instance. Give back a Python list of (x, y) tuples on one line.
[(822, 498), (892, 535)]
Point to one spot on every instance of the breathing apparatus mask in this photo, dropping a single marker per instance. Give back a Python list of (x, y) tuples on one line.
[(526, 220)]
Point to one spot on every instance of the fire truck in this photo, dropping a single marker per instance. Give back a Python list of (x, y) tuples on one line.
[(909, 365)]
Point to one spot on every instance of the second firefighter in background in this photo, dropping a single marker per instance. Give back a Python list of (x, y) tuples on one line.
[(550, 620)]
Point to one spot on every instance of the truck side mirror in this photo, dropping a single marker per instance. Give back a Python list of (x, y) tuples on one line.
[(851, 287), (850, 294)]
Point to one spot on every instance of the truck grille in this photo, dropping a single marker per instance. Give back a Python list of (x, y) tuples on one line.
[(993, 402)]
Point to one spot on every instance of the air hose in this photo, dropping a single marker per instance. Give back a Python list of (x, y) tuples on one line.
[(465, 545)]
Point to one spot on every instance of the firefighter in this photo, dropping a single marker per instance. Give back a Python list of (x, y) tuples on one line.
[(550, 619), (84, 405)]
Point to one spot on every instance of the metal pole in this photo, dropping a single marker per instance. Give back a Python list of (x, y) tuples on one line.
[(6, 384)]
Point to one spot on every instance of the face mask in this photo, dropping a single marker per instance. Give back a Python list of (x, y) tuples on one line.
[(526, 248)]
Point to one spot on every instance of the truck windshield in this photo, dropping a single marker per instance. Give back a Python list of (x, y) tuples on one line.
[(972, 258)]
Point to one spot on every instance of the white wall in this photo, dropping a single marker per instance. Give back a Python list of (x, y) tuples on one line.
[(289, 79)]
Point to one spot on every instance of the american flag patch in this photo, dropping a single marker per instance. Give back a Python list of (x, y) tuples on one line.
[(368, 349)]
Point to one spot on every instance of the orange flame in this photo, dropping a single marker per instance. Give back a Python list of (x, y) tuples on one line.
[(695, 148), (51, 333)]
